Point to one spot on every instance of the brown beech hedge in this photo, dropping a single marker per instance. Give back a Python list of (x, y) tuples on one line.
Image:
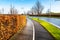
[(10, 24)]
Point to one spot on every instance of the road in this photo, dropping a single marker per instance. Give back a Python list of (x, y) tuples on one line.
[(51, 20), (41, 33)]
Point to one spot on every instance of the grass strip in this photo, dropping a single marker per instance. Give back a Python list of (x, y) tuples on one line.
[(55, 32)]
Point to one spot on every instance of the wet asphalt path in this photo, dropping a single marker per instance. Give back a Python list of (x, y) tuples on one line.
[(41, 33), (29, 34), (26, 34)]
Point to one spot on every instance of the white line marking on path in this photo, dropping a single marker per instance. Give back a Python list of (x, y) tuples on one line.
[(33, 31)]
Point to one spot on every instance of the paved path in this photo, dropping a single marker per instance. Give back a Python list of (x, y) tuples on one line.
[(41, 33), (26, 34)]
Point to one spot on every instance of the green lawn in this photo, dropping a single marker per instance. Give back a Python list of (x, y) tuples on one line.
[(55, 32)]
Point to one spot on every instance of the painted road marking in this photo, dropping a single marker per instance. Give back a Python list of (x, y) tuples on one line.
[(33, 31)]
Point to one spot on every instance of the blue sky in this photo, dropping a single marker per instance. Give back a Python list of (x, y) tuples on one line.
[(26, 5)]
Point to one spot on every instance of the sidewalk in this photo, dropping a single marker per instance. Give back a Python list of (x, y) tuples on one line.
[(26, 34)]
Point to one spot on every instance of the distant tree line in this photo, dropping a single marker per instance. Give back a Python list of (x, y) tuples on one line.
[(13, 10)]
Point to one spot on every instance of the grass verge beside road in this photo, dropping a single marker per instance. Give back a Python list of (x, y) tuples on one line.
[(54, 31)]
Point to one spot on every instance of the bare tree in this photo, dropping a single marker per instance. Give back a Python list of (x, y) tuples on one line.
[(0, 11), (13, 10), (38, 7), (48, 11), (3, 10), (32, 10)]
